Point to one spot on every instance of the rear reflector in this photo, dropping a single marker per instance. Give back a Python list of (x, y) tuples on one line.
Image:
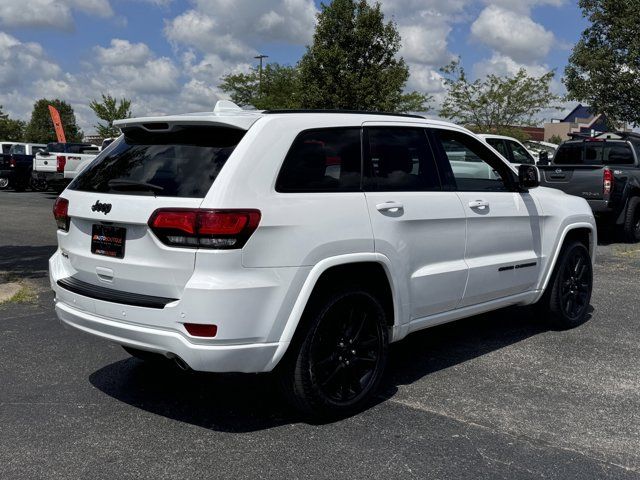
[(61, 213), (61, 162), (198, 330), (216, 229)]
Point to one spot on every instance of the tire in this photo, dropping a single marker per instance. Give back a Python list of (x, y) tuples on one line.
[(38, 185), (336, 362), (631, 227), (565, 304), (4, 183)]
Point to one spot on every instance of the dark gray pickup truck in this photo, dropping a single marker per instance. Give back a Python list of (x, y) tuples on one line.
[(604, 170)]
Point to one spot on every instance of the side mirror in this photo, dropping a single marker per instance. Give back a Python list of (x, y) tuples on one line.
[(528, 177), (543, 158)]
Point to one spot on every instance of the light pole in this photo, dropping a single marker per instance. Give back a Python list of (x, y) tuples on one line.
[(261, 58)]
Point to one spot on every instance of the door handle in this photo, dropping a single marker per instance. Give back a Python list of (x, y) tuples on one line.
[(390, 207), (479, 204)]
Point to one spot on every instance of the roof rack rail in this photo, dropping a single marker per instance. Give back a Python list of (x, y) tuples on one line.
[(350, 112), (579, 136), (625, 135)]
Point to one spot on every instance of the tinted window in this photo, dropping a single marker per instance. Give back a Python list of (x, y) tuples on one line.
[(6, 147), (617, 154), (182, 163), (520, 154), (399, 159), (323, 160), (569, 154), (500, 146), (471, 166), (595, 153), (18, 150)]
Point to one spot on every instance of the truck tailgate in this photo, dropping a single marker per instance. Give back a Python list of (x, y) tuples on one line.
[(45, 163), (584, 181)]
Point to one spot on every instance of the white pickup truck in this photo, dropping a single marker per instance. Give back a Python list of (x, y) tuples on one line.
[(60, 162)]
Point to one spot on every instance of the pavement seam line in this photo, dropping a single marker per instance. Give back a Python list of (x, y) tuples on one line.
[(530, 440)]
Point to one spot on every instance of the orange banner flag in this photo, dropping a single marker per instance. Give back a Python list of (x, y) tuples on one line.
[(57, 124)]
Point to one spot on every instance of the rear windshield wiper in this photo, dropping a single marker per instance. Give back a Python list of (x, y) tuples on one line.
[(133, 185)]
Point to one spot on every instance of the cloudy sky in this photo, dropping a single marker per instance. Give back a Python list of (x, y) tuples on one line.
[(168, 55)]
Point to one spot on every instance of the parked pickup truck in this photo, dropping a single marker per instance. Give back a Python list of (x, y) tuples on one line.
[(16, 167), (604, 170), (59, 163), (5, 156)]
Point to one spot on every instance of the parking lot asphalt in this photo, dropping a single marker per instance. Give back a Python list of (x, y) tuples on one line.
[(494, 396)]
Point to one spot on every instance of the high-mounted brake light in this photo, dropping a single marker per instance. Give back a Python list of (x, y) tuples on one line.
[(607, 181), (61, 213), (61, 161), (216, 229)]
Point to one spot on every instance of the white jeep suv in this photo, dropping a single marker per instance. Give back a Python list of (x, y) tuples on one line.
[(306, 242)]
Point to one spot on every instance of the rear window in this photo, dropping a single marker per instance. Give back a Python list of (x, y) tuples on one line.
[(569, 154), (181, 163), (594, 153)]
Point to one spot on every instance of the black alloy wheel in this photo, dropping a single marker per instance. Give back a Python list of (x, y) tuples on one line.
[(575, 287), (565, 303), (347, 350), (337, 359)]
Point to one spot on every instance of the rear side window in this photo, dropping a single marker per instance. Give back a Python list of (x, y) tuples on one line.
[(569, 154), (6, 147), (399, 159), (181, 163), (323, 160)]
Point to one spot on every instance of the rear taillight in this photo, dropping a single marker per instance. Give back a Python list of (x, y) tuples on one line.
[(217, 229), (61, 213), (12, 162), (61, 161), (607, 181)]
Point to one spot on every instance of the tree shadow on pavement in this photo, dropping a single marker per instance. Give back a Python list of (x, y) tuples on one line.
[(242, 403), (25, 262)]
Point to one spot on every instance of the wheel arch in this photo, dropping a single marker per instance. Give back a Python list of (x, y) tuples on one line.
[(343, 268), (582, 232)]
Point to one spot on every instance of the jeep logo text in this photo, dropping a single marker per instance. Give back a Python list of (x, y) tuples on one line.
[(101, 207)]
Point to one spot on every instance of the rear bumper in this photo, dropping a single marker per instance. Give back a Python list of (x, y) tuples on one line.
[(50, 177), (249, 358), (600, 206), (248, 309)]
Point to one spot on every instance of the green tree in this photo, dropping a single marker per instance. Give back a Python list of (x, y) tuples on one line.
[(110, 110), (10, 129), (280, 87), (40, 127), (353, 63), (557, 139), (604, 68), (495, 103)]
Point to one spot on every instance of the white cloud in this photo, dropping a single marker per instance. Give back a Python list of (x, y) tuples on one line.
[(49, 13), (123, 52), (512, 34), (20, 60)]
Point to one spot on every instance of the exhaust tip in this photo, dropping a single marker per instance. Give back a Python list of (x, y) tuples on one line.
[(181, 364)]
